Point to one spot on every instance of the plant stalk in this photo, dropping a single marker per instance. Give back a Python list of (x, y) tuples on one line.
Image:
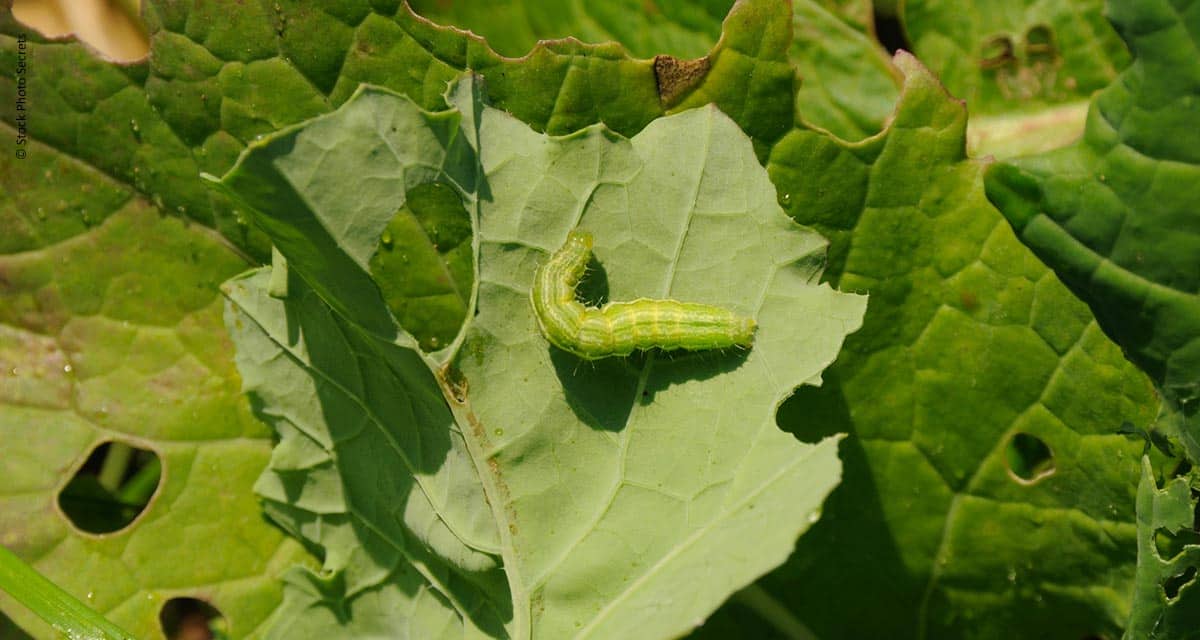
[(51, 603), (771, 610)]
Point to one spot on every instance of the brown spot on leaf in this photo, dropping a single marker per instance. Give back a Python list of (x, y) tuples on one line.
[(455, 383), (677, 77)]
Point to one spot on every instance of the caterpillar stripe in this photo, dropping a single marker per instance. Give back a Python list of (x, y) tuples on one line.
[(620, 328)]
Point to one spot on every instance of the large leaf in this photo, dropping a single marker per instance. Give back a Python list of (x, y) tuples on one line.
[(1115, 215), (623, 498), (110, 330), (968, 342)]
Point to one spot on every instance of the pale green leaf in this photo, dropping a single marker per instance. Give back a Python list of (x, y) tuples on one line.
[(624, 497)]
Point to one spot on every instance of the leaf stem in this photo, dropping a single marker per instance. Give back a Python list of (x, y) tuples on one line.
[(141, 486), (116, 462), (51, 603), (771, 610)]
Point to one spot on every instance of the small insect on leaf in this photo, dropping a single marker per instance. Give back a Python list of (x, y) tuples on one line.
[(620, 328)]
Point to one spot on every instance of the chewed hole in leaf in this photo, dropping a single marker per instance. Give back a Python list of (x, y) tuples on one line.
[(997, 52), (10, 631), (890, 31), (423, 265), (111, 489), (1171, 544), (1039, 43), (1029, 458), (192, 619), (1195, 511), (1173, 585)]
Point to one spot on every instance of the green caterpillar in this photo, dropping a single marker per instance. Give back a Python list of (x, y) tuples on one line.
[(619, 328)]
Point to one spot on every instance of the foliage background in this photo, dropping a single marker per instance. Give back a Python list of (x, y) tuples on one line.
[(113, 250)]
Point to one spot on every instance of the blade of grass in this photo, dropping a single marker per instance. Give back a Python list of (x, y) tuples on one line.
[(60, 609), (141, 486), (112, 470)]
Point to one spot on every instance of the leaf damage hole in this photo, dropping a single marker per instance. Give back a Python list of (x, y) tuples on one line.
[(10, 631), (1170, 544), (997, 51), (1176, 583), (1029, 458), (1195, 511), (192, 619), (112, 487), (889, 29), (1039, 44)]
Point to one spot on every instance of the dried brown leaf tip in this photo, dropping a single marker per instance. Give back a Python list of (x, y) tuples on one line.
[(676, 77)]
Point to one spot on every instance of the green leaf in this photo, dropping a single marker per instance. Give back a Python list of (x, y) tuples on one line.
[(603, 489), (1115, 214), (968, 341), (110, 330), (1165, 602), (1026, 68)]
